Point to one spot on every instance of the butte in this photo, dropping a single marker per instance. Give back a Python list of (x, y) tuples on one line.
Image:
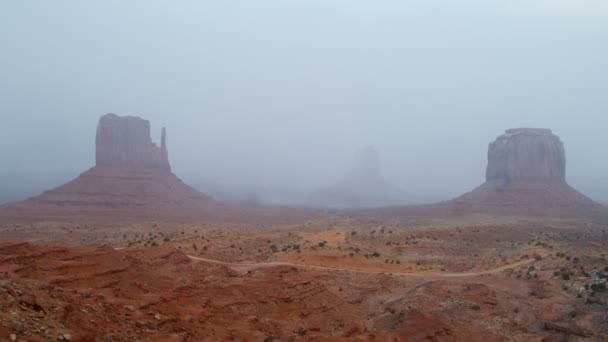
[(363, 186), (132, 179), (526, 174)]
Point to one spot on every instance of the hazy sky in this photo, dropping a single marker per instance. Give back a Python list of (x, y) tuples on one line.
[(282, 92)]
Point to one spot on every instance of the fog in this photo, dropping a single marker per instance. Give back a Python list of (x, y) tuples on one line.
[(280, 94)]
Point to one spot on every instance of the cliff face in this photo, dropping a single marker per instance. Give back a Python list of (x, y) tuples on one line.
[(125, 141), (526, 154)]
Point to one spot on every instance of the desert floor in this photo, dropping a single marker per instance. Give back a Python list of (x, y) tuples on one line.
[(331, 279)]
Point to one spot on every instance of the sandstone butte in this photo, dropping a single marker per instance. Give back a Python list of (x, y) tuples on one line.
[(132, 178), (526, 174), (363, 186)]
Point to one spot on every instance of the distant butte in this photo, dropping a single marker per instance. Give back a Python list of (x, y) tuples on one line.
[(132, 178), (526, 173), (363, 186)]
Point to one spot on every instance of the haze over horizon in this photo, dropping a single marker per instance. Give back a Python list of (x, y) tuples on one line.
[(282, 94)]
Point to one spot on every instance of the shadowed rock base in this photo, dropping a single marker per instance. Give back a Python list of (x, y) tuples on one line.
[(536, 198)]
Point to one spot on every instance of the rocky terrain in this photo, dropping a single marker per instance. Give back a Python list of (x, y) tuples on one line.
[(330, 280)]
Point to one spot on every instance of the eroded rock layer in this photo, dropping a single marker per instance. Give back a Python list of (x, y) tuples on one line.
[(126, 141), (526, 154)]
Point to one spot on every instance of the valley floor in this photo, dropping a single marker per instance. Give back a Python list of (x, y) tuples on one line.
[(334, 279)]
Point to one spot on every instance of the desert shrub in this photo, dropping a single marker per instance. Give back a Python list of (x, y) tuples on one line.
[(302, 331), (476, 307), (566, 276), (598, 287)]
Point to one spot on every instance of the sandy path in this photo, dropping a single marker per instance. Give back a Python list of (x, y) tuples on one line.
[(249, 266)]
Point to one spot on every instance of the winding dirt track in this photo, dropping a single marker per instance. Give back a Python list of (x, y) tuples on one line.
[(248, 266)]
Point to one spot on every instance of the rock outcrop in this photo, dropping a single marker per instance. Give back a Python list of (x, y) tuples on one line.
[(526, 154), (125, 141), (131, 174), (526, 174)]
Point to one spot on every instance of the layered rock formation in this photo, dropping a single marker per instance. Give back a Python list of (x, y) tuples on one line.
[(526, 173), (125, 141), (526, 154), (363, 186), (131, 174)]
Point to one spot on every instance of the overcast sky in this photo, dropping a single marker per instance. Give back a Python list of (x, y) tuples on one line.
[(282, 93)]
